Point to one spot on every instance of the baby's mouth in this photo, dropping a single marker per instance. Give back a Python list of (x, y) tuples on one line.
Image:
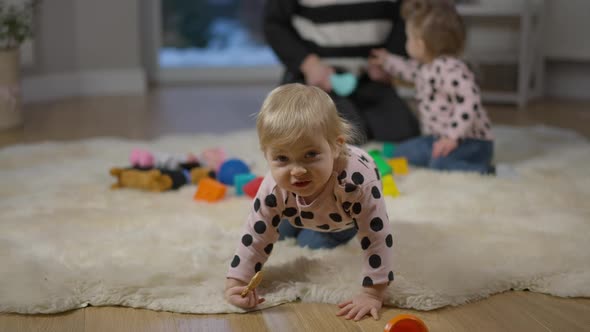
[(301, 184)]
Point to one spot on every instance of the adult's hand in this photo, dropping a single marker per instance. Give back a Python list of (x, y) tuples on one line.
[(317, 73)]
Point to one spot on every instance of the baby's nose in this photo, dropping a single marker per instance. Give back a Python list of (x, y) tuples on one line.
[(298, 170)]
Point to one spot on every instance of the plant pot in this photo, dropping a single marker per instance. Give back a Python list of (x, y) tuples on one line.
[(10, 99)]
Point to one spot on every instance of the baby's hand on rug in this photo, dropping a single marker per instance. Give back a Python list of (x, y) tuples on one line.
[(233, 294), (443, 146), (369, 301)]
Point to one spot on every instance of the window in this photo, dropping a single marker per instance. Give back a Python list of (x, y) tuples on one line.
[(213, 33)]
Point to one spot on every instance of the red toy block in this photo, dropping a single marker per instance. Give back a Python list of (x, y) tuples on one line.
[(210, 190), (251, 188)]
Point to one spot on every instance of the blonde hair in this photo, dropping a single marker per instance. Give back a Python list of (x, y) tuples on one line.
[(438, 24), (292, 111)]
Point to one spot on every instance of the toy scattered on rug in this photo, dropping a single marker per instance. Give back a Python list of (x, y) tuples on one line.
[(157, 179), (151, 180), (144, 159), (387, 167), (232, 172), (212, 173), (405, 323), (159, 172)]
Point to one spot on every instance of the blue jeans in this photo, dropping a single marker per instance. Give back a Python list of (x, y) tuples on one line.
[(472, 155), (314, 239)]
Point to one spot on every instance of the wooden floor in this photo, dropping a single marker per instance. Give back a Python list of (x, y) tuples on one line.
[(214, 109)]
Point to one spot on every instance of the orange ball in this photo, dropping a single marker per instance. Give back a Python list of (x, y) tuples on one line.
[(405, 323)]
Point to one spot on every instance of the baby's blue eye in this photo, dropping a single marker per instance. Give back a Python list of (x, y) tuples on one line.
[(281, 159)]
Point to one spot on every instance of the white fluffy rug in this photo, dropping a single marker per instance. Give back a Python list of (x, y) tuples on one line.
[(67, 241)]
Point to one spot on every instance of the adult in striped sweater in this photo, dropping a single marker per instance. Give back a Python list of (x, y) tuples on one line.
[(457, 130), (317, 38)]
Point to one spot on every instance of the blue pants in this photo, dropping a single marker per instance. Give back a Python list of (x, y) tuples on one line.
[(314, 239), (472, 155)]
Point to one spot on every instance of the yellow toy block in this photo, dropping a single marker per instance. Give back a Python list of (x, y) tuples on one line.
[(389, 187), (399, 165)]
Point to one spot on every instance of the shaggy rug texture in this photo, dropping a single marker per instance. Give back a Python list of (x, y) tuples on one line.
[(68, 241)]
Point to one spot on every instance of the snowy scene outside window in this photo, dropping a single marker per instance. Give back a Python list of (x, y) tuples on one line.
[(213, 33)]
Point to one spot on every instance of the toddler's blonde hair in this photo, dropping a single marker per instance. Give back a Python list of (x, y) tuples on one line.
[(292, 111), (439, 25)]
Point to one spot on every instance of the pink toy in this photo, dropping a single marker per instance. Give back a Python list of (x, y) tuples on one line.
[(251, 188), (141, 158), (213, 158)]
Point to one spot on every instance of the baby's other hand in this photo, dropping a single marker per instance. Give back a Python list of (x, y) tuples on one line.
[(362, 304), (233, 295), (443, 146)]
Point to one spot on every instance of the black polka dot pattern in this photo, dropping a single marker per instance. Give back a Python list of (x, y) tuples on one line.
[(324, 226), (276, 220), (390, 276), (271, 200), (367, 281), (342, 176), (257, 267), (236, 261), (306, 214), (389, 241), (375, 192), (349, 187), (376, 224), (346, 206), (365, 243), (357, 208), (247, 240), (256, 205), (268, 249), (260, 227), (290, 212), (298, 222), (336, 217), (375, 261), (357, 178)]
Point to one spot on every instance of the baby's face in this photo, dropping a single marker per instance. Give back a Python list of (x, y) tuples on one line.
[(303, 167)]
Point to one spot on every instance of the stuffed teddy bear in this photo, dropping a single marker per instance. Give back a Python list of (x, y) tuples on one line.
[(151, 180), (158, 179)]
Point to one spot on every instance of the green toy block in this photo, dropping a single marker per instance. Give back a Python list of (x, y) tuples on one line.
[(382, 164), (388, 149)]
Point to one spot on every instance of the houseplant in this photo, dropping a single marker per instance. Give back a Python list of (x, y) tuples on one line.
[(16, 26)]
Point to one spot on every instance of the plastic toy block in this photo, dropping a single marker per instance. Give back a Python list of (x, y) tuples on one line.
[(388, 149), (389, 187), (240, 180), (399, 165), (382, 164), (210, 190), (251, 188), (405, 323), (213, 158)]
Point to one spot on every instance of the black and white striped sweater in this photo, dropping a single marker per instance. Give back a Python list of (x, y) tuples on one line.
[(341, 32)]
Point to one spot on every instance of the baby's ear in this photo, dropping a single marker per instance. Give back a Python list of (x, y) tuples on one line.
[(340, 141)]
